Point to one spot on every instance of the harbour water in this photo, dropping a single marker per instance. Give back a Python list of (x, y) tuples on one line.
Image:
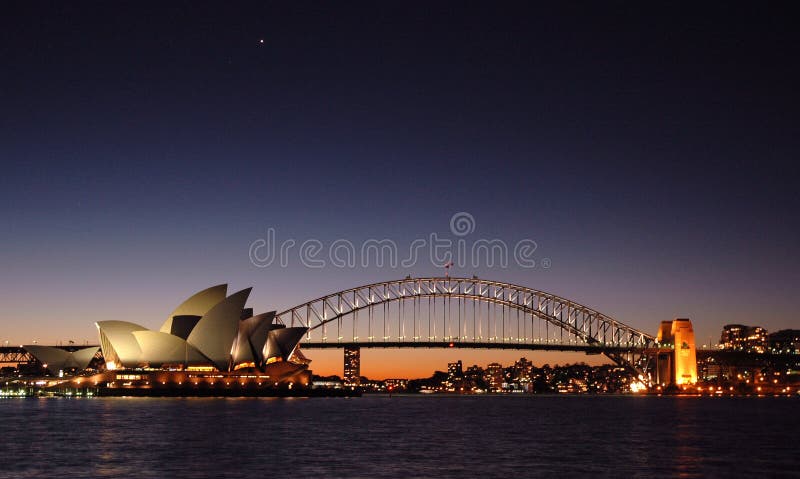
[(401, 436)]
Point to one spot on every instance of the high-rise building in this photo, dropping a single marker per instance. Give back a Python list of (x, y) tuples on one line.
[(785, 341), (494, 376), (474, 371), (352, 366), (455, 373), (455, 370), (739, 337), (522, 370)]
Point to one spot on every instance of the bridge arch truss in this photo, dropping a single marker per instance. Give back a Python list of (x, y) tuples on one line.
[(444, 311)]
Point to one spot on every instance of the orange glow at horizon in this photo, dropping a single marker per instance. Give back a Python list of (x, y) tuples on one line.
[(411, 363)]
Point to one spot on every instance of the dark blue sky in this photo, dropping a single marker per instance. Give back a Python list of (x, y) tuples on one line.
[(650, 152)]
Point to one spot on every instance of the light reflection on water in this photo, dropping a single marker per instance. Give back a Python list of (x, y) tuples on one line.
[(402, 436)]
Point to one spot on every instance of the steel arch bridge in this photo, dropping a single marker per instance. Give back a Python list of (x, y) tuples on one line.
[(464, 313)]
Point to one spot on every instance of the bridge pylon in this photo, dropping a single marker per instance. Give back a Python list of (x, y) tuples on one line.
[(676, 358)]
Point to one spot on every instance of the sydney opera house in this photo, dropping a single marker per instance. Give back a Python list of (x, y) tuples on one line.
[(207, 331), (209, 339)]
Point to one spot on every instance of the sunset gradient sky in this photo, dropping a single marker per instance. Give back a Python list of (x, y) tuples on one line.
[(651, 155)]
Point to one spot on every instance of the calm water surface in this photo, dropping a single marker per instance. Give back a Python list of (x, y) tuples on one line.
[(402, 436)]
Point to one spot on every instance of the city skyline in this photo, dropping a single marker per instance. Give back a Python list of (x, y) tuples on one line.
[(383, 362)]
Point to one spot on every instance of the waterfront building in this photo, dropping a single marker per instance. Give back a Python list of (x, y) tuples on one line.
[(326, 384), (396, 384), (209, 331), (785, 341), (739, 337)]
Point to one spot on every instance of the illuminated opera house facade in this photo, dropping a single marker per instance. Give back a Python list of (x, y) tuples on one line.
[(210, 339)]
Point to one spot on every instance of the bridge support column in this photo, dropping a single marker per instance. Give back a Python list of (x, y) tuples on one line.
[(664, 368)]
